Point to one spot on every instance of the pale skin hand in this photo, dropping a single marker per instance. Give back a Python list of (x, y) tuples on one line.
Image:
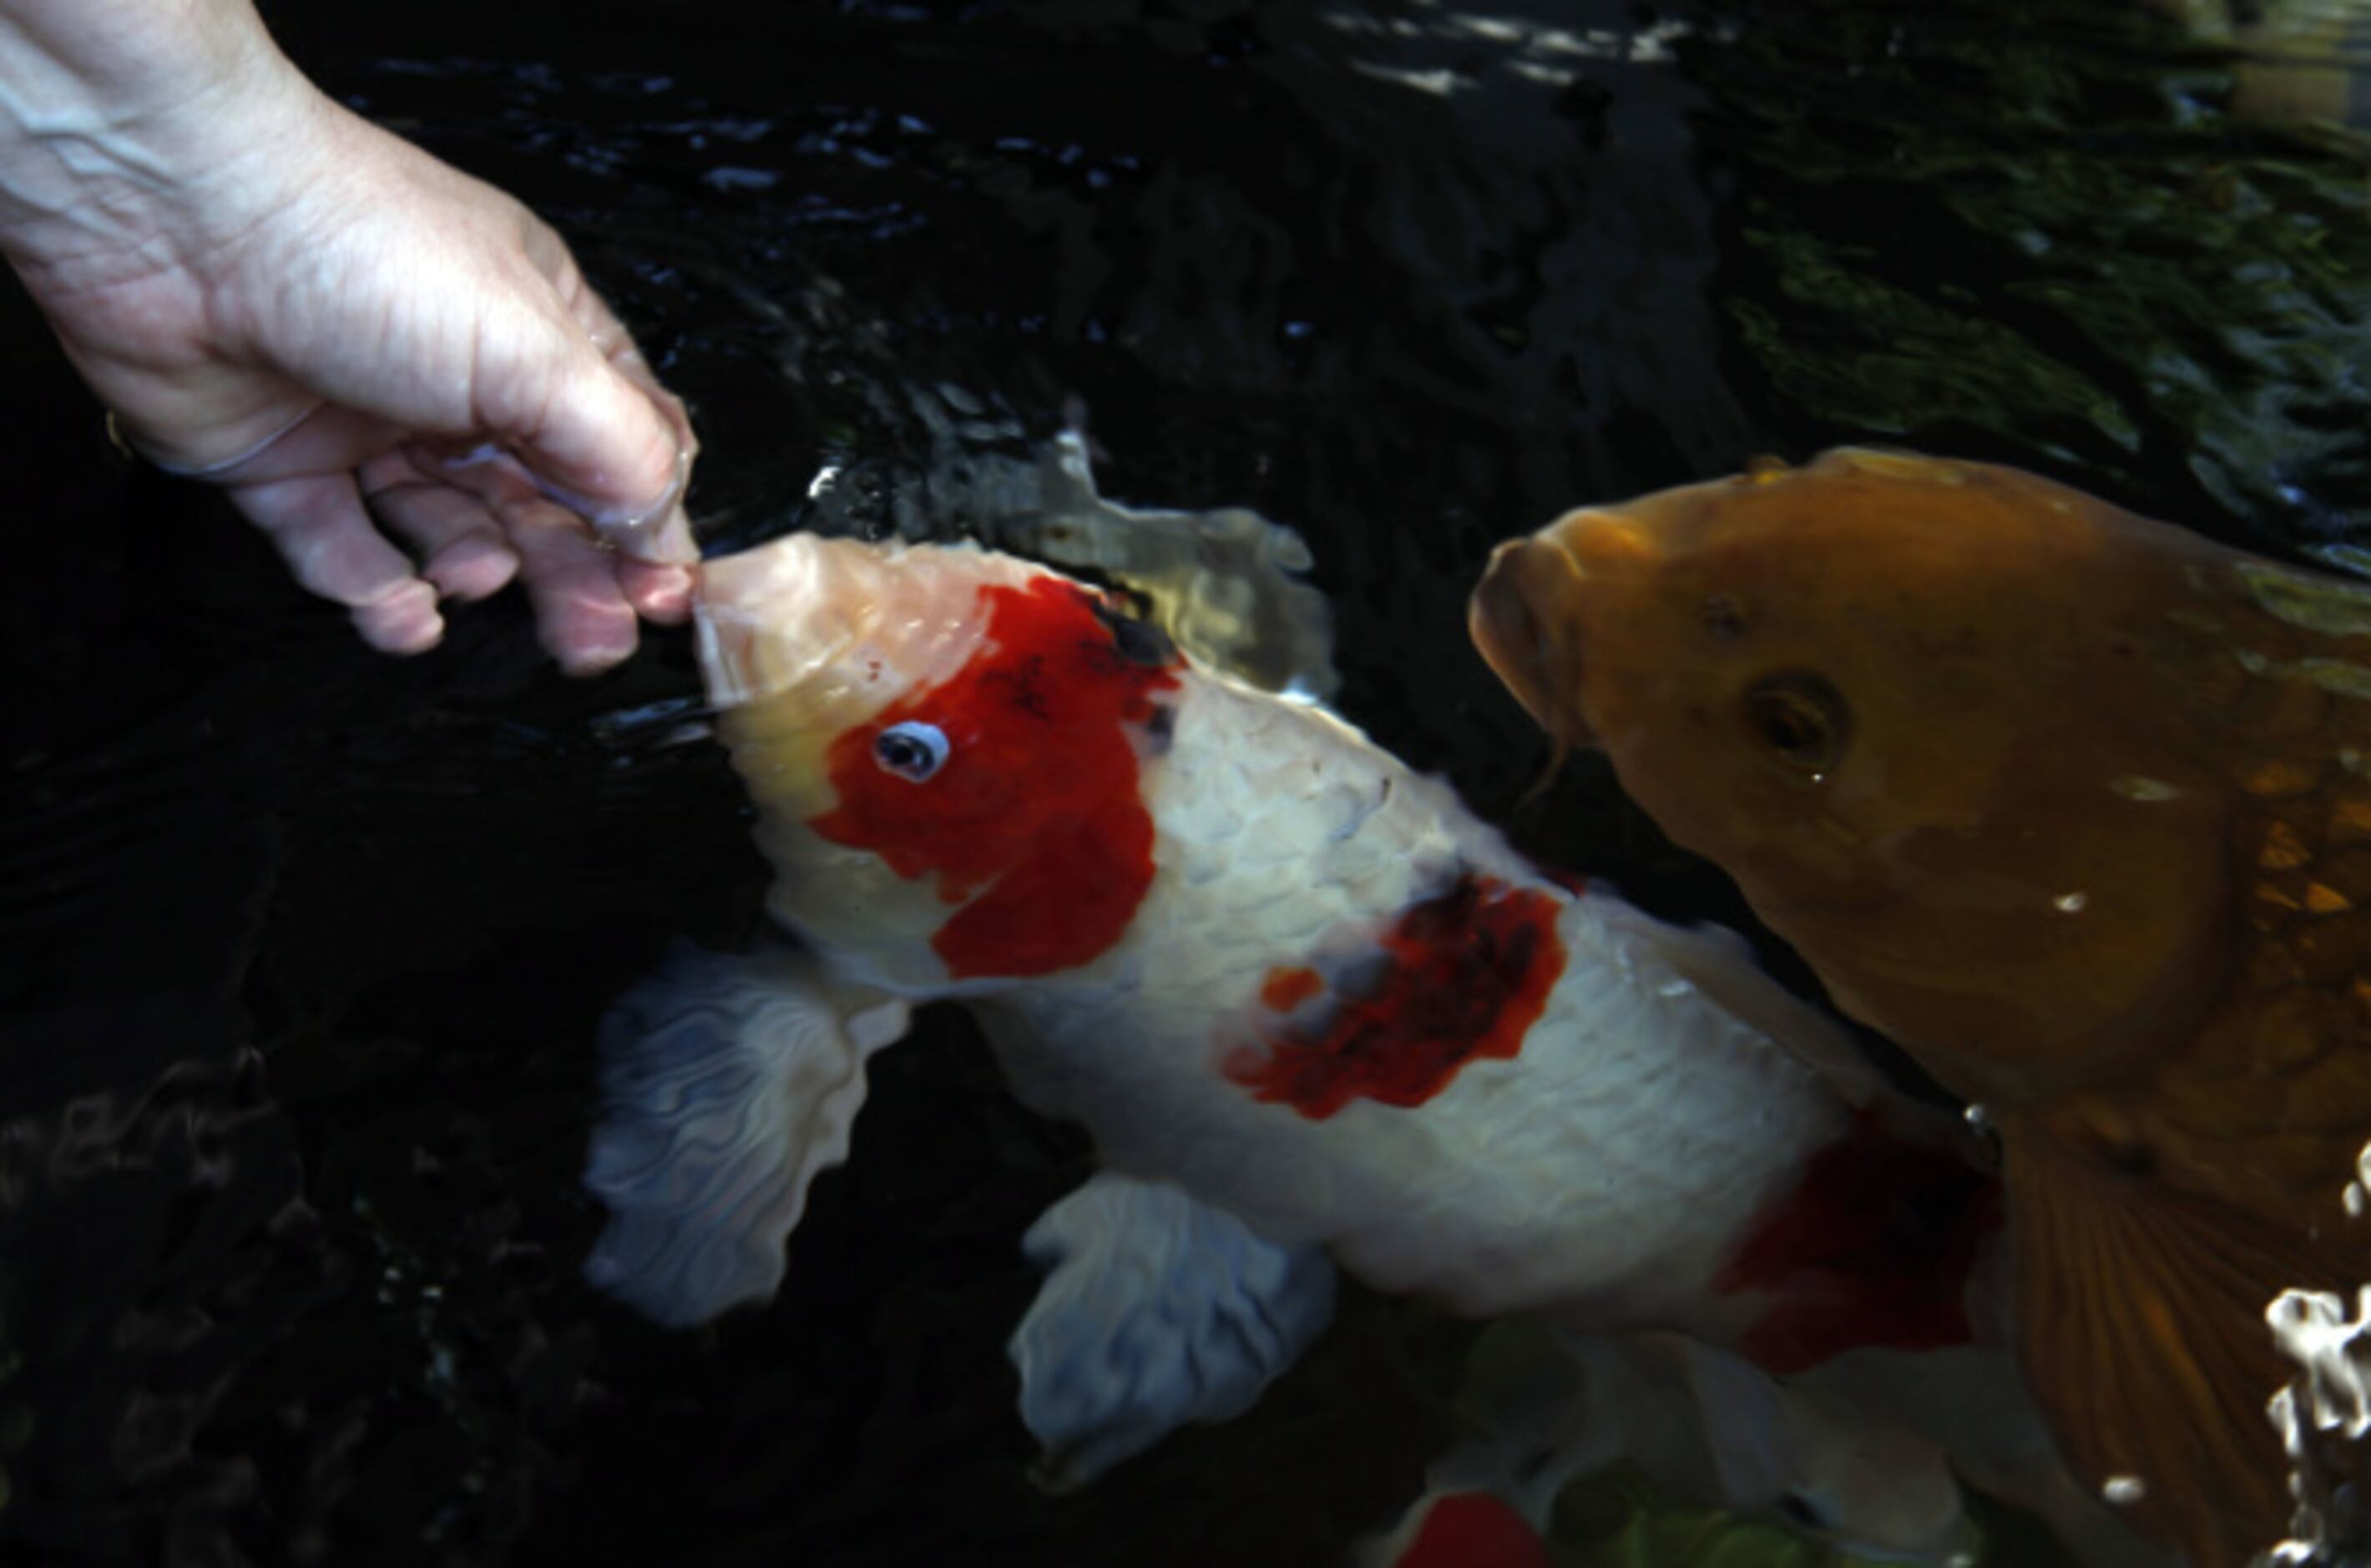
[(342, 332)]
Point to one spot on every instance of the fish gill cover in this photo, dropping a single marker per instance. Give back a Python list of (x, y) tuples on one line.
[(1037, 822)]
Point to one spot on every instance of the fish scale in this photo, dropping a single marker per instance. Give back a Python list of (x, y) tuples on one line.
[(2279, 1062)]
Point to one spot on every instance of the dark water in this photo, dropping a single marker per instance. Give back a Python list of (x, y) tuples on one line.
[(301, 948)]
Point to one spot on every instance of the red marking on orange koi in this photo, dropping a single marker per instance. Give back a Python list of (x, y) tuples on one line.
[(1470, 974), (1038, 816), (1874, 1246), (1286, 989)]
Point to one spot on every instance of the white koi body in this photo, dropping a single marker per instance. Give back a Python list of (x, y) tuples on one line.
[(1610, 1166), (1607, 1169), (1307, 1005)]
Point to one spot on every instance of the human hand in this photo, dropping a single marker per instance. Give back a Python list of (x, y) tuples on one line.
[(277, 297)]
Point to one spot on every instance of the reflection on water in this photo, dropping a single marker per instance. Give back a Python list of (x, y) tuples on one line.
[(302, 950)]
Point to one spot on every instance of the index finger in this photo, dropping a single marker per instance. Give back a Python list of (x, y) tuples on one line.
[(614, 452), (662, 532)]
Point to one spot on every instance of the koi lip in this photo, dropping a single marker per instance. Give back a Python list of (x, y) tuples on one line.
[(1521, 644), (841, 624)]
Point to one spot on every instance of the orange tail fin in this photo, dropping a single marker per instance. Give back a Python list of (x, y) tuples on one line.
[(2142, 1314)]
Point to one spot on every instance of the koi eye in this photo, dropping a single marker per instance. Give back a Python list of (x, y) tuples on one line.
[(911, 750), (1799, 720)]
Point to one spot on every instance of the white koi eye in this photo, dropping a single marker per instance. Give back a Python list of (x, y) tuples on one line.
[(911, 750)]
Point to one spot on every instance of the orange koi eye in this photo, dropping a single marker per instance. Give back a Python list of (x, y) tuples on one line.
[(1799, 720)]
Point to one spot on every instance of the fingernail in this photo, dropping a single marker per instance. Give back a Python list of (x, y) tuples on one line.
[(580, 663), (599, 644), (659, 533), (475, 566), (662, 594), (404, 622)]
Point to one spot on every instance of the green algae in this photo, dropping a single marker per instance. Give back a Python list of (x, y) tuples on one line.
[(1617, 1519), (2045, 238)]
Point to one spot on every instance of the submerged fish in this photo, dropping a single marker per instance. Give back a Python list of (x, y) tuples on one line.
[(1225, 584), (1313, 1012), (1555, 1424), (2074, 805)]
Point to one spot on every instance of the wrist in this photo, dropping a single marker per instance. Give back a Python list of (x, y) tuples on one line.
[(133, 132)]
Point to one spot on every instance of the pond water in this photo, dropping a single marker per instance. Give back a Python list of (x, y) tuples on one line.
[(301, 949)]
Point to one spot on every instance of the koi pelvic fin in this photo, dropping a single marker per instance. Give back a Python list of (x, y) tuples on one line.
[(729, 1081), (1158, 1311)]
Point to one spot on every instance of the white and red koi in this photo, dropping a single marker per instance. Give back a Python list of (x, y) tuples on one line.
[(1306, 1004)]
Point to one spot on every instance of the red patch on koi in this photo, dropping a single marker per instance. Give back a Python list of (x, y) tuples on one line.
[(1473, 1529), (1038, 808), (1286, 989), (1874, 1246), (1470, 974)]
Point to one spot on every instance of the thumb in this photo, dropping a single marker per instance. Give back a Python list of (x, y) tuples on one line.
[(608, 443)]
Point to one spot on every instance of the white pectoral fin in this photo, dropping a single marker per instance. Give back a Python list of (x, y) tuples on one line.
[(1157, 1310), (728, 1082)]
